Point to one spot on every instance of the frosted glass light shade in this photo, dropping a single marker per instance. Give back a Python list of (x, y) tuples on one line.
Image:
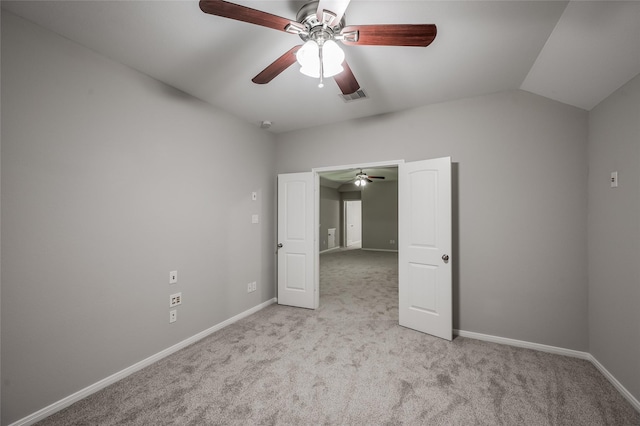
[(309, 59), (333, 57)]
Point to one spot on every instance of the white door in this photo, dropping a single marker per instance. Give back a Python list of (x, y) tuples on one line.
[(296, 262), (424, 227), (354, 222)]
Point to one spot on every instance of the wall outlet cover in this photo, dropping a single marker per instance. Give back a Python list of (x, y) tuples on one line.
[(175, 299), (614, 179)]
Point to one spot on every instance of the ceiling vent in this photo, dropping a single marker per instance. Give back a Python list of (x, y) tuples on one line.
[(355, 96)]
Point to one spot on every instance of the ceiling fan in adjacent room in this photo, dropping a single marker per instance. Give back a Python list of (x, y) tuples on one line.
[(320, 24), (362, 178)]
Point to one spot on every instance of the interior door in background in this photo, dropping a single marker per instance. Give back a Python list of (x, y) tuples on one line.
[(297, 285), (424, 258), (353, 221)]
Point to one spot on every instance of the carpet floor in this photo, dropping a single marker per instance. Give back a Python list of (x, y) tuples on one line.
[(350, 363)]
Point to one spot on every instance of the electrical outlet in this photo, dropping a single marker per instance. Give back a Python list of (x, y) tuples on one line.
[(392, 241), (173, 277), (175, 299), (173, 316), (251, 287)]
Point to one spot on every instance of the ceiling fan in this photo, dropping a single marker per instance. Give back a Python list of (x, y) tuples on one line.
[(362, 178), (320, 24)]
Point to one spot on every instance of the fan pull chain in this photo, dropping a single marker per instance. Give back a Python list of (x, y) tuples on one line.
[(321, 84)]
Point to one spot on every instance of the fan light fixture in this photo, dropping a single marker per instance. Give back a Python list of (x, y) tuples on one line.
[(319, 24), (320, 59), (360, 181)]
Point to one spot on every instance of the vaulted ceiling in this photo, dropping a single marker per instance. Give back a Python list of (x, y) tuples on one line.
[(577, 53)]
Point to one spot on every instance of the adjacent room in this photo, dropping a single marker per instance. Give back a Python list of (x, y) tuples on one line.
[(359, 215), (142, 146)]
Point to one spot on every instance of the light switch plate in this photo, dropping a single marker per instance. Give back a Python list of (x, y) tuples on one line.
[(614, 179), (173, 277)]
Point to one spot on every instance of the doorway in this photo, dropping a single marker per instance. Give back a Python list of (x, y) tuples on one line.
[(353, 223), (424, 241), (368, 223)]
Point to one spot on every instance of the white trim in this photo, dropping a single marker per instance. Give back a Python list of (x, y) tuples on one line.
[(632, 400), (371, 249), (331, 249), (558, 351), (523, 344), (390, 163), (83, 393)]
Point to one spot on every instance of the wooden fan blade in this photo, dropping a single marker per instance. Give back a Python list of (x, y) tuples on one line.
[(243, 13), (418, 35), (346, 80), (337, 7), (376, 177), (277, 66)]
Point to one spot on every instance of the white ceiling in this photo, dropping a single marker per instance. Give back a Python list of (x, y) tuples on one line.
[(577, 53)]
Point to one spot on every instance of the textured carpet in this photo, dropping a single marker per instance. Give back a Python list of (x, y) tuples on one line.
[(350, 363)]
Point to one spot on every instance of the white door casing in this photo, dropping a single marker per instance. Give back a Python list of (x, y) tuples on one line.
[(297, 285), (424, 228)]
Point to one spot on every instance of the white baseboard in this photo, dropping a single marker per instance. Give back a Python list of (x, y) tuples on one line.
[(83, 393), (372, 249), (558, 351), (632, 400), (331, 249), (522, 344)]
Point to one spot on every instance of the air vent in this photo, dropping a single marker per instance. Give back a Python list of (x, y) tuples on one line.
[(357, 95)]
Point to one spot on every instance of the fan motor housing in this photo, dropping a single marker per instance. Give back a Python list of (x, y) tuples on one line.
[(307, 16)]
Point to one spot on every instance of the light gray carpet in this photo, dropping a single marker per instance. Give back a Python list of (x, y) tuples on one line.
[(350, 363)]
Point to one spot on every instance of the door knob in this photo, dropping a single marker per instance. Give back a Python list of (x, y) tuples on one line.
[(279, 245), (445, 257)]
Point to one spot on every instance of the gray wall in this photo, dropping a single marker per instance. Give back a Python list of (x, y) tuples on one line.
[(521, 263), (329, 215), (614, 235), (380, 216), (109, 181)]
